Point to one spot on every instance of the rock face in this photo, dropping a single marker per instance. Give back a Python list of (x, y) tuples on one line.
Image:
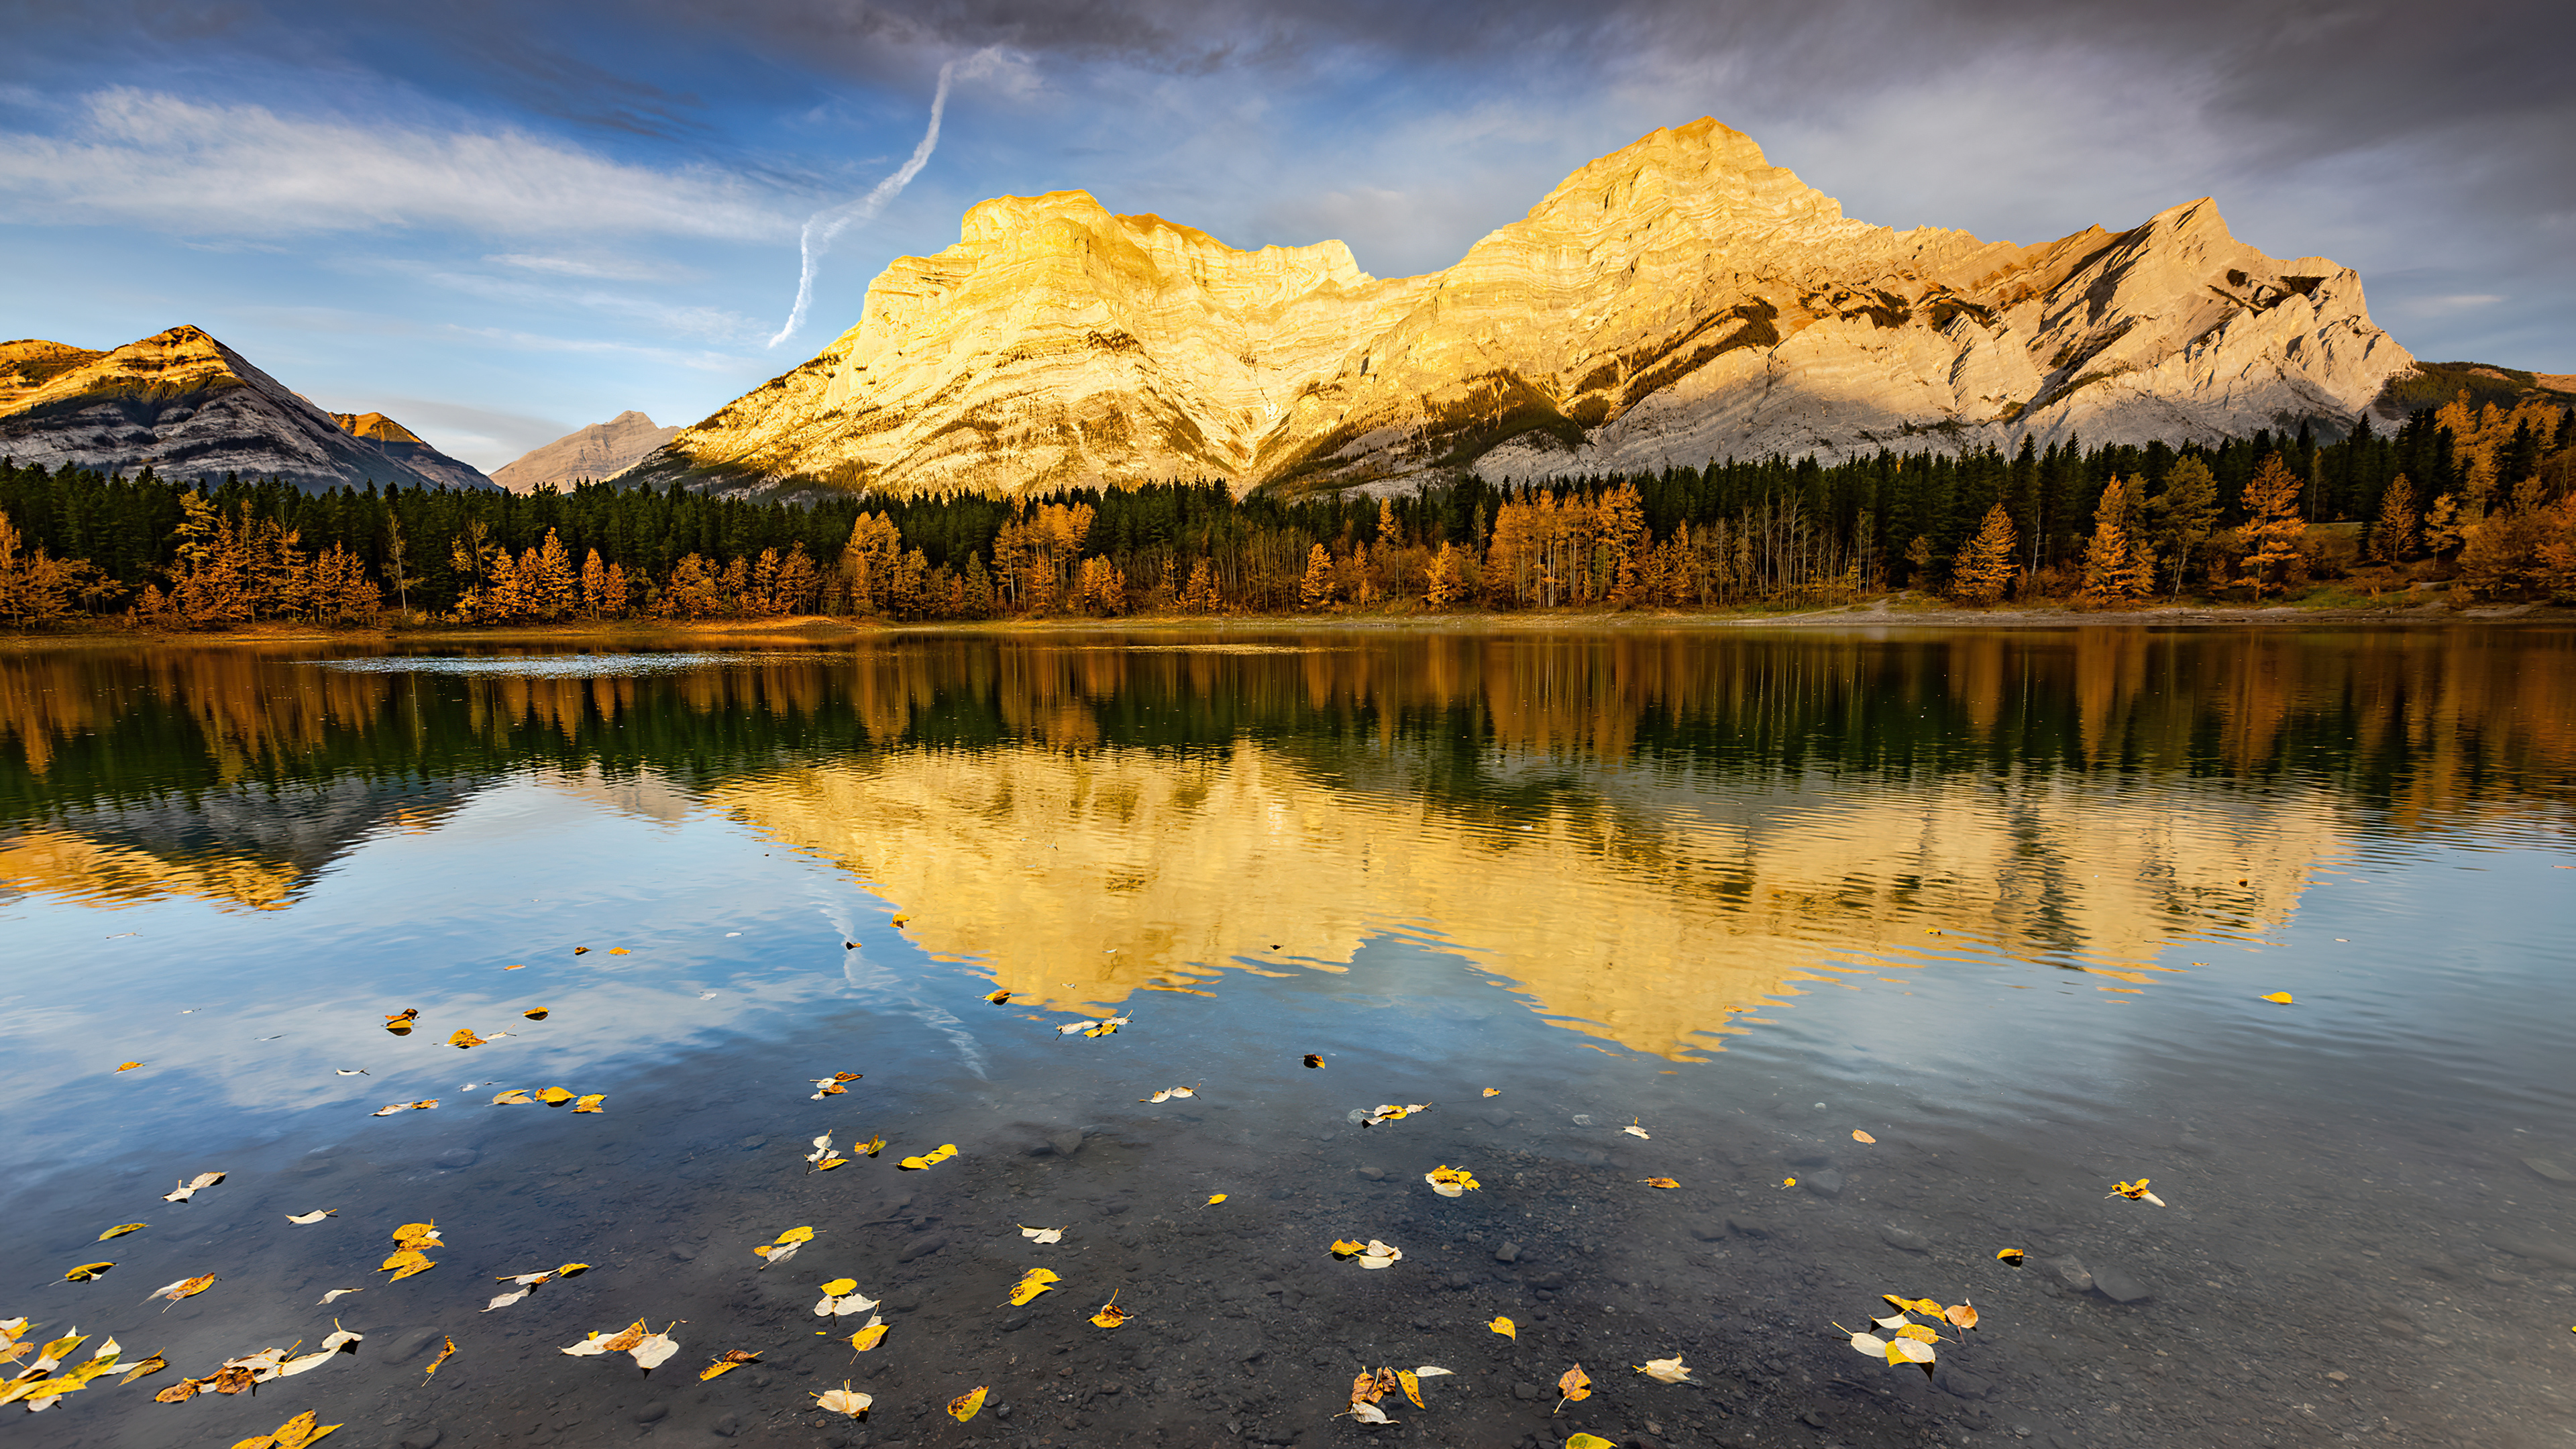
[(1676, 302), (600, 451), (407, 448), (190, 407)]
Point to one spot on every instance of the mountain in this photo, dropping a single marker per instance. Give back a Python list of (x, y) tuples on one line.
[(1678, 301), (406, 447), (190, 407), (602, 450)]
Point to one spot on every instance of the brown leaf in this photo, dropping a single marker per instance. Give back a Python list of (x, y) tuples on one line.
[(444, 1355)]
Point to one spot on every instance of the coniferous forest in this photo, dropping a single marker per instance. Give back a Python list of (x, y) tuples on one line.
[(2482, 495)]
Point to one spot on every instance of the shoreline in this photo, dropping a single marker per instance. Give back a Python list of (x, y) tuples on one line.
[(817, 628)]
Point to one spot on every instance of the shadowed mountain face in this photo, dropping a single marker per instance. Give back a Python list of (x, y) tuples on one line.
[(597, 452), (1676, 302), (187, 406)]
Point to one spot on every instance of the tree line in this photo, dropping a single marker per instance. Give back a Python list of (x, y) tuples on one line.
[(2482, 493)]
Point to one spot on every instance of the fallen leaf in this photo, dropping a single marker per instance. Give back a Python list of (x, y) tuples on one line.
[(1914, 1305), (315, 1216), (1506, 1328), (870, 1334), (1860, 1136), (522, 966), (1371, 1254), (1493, 1091), (1214, 1199), (777, 1253), (870, 1147), (1659, 1182), (1920, 1333), (189, 1188), (515, 1097), (964, 1406), (1869, 1343), (2012, 1256), (1110, 1314), (337, 1294), (900, 918), (86, 1272), (1031, 1284), (121, 1229), (1411, 1383), (726, 1363), (1367, 1413), (1042, 1235), (388, 1111), (184, 1288), (1392, 1112), (536, 1013), (444, 1354), (125, 1067), (414, 1264), (581, 950), (418, 1235), (841, 1298), (619, 951), (997, 997), (1588, 1441), (2134, 1190), (2280, 997), (932, 1158), (591, 1103), (1451, 1181), (653, 1349), (153, 1365), (843, 1400), (464, 1037), (554, 1096), (352, 1071), (1961, 1315), (1665, 1370), (506, 1299), (1314, 1061), (1575, 1385), (404, 1017), (295, 1433), (1633, 1130), (1344, 1247), (1788, 1182)]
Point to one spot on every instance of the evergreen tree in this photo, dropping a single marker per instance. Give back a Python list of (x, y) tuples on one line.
[(2185, 514)]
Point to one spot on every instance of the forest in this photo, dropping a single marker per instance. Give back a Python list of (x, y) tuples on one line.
[(2479, 493)]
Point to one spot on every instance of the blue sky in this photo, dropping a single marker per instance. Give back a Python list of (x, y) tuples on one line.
[(500, 222)]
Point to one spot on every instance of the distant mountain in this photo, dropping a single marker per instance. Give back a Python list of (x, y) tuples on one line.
[(1679, 301), (600, 451), (406, 447), (190, 407)]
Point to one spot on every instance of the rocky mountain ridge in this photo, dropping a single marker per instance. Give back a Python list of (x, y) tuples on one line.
[(600, 451), (1678, 301), (187, 406)]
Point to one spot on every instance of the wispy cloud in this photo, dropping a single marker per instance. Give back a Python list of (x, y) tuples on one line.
[(199, 168)]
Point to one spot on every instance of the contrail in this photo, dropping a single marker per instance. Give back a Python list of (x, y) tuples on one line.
[(824, 225)]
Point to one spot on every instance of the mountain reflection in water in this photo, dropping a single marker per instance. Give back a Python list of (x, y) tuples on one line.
[(1652, 837)]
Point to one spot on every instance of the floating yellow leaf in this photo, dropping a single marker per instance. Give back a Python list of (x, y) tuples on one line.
[(2279, 997), (536, 1013), (1411, 1383), (964, 1406), (1664, 1370), (444, 1354), (336, 1294), (554, 1096), (2136, 1191), (591, 1103), (1961, 1315), (1588, 1441), (416, 1265), (515, 1097), (86, 1272), (2012, 1256), (1393, 1112), (404, 1018), (1493, 1091), (1919, 1333), (388, 1111), (121, 1229), (1575, 1385), (1633, 1130), (901, 919), (189, 1187), (997, 997), (1788, 1182), (1451, 1181), (464, 1037), (295, 1433), (839, 1286), (125, 1067), (184, 1288), (1506, 1328), (522, 966), (932, 1158), (726, 1363), (1914, 1305), (869, 1335), (1344, 1247), (1659, 1182), (870, 1147), (1860, 1136), (1110, 1314), (619, 951), (1215, 1199), (153, 1365), (571, 1270), (581, 950), (308, 1219), (1314, 1061), (1041, 1235), (1031, 1284), (843, 1400), (417, 1235)]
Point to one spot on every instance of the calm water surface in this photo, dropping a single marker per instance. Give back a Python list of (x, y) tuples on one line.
[(2006, 904)]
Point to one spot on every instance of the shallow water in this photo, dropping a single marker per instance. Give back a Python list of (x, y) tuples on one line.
[(2008, 904)]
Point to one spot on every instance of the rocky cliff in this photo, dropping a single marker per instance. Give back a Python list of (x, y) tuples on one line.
[(602, 450), (1678, 301), (190, 407)]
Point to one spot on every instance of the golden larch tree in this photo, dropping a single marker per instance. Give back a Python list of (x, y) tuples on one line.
[(1984, 566), (2274, 528)]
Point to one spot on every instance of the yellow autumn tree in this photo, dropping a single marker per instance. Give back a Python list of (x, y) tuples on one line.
[(1316, 590), (2116, 573), (2392, 538), (2274, 528), (1983, 568)]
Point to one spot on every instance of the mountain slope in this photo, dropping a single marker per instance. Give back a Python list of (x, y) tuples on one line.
[(406, 447), (602, 450), (190, 407), (1678, 301)]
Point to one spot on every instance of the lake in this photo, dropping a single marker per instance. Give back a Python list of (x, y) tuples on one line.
[(1895, 950)]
